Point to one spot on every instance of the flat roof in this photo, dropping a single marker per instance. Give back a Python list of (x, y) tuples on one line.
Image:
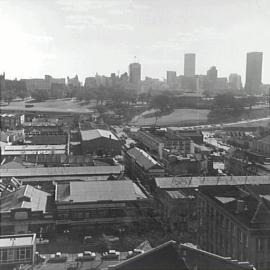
[(95, 191), (61, 171), (193, 182), (17, 240)]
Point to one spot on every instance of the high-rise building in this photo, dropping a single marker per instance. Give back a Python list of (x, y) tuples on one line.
[(235, 81), (212, 74), (254, 72), (135, 74), (171, 78), (189, 65)]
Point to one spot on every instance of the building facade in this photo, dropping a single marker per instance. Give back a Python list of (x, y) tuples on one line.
[(234, 221), (253, 72), (189, 65)]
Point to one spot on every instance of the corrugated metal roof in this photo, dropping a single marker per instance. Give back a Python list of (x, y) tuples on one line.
[(120, 190), (61, 171), (38, 199), (186, 182), (88, 135), (142, 158)]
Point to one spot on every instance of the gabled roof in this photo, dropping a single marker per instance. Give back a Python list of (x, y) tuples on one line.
[(142, 158), (88, 135), (95, 191), (163, 257), (25, 197)]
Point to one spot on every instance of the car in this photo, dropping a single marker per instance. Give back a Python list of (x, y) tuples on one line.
[(88, 239), (39, 258), (134, 252), (111, 254), (57, 258), (86, 256)]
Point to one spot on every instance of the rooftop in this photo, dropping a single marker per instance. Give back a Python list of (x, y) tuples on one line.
[(61, 171), (142, 158), (95, 191), (46, 139), (250, 205), (161, 257), (25, 197), (88, 135), (17, 240), (194, 182)]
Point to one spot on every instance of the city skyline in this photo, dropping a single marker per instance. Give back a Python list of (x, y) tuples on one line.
[(64, 38)]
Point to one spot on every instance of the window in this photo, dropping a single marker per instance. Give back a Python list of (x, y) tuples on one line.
[(259, 244), (22, 254), (241, 236), (28, 253), (233, 229), (246, 240), (268, 243)]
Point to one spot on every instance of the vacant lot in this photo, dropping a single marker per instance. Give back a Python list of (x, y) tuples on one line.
[(177, 118), (51, 105)]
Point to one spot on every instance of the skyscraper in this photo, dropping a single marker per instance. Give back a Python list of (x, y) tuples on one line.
[(254, 72), (171, 78), (189, 65), (135, 74), (235, 81)]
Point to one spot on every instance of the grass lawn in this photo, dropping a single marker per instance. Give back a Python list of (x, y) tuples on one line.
[(176, 118), (51, 105)]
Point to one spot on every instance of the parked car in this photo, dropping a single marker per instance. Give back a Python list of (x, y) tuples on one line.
[(88, 239), (86, 256), (57, 258), (111, 254), (39, 258), (134, 252)]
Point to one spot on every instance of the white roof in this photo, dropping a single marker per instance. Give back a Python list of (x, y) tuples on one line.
[(88, 135)]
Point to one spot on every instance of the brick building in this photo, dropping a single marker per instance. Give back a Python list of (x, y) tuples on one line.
[(234, 221)]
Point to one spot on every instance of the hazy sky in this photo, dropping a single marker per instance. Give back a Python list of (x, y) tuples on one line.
[(68, 37)]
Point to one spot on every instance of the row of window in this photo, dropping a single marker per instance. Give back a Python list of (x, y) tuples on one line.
[(15, 255), (102, 213)]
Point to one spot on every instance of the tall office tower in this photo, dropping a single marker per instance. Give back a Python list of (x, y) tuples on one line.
[(189, 65), (212, 73), (135, 74), (235, 81), (171, 78), (253, 72)]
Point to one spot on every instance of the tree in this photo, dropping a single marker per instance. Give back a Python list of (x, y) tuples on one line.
[(161, 102), (40, 95)]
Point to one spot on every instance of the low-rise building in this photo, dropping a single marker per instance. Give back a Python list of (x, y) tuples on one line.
[(100, 142), (33, 150), (195, 135), (11, 121), (157, 140), (25, 209), (141, 165), (16, 250), (110, 204)]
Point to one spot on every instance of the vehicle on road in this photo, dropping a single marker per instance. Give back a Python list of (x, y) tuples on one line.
[(39, 258), (58, 257), (134, 252), (86, 256), (111, 254)]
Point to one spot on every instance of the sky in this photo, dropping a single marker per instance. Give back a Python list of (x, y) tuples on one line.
[(67, 37)]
